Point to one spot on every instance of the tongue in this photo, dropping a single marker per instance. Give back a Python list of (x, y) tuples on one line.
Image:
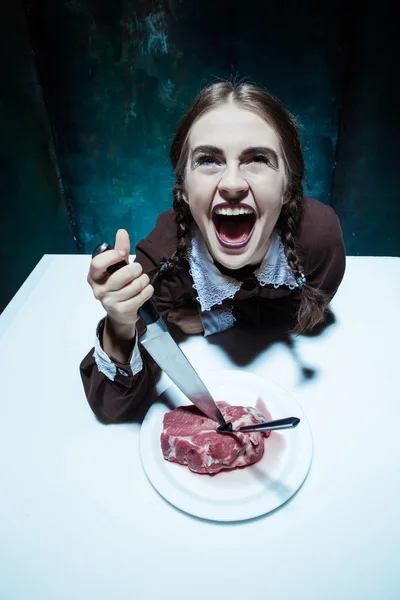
[(235, 230)]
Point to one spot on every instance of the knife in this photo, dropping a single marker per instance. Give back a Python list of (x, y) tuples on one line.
[(165, 351)]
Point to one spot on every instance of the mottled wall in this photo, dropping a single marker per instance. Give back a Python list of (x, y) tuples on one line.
[(365, 191), (33, 216), (116, 75)]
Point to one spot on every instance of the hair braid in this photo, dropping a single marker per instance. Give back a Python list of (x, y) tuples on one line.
[(314, 302), (184, 227), (289, 224)]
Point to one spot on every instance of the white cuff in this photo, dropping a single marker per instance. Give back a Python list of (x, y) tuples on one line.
[(106, 366), (136, 358)]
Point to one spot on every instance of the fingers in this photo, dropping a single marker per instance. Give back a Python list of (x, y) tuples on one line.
[(122, 242), (124, 276), (132, 289), (101, 262), (133, 304), (145, 295), (121, 285)]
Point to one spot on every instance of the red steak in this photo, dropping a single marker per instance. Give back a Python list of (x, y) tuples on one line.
[(190, 438)]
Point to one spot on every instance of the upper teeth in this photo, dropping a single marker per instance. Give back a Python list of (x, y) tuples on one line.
[(233, 211)]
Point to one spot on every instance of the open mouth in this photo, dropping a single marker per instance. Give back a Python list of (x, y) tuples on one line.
[(233, 226)]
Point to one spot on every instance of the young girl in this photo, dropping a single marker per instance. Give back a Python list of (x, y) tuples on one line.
[(241, 245)]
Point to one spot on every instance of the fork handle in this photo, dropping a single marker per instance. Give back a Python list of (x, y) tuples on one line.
[(288, 423)]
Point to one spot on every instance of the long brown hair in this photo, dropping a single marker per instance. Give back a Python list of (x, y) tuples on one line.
[(313, 302)]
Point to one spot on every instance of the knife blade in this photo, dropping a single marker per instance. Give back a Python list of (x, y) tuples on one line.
[(167, 354), (165, 351)]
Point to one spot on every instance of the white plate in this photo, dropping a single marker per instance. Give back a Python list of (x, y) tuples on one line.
[(242, 493)]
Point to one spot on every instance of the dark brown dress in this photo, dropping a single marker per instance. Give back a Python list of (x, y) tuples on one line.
[(323, 256)]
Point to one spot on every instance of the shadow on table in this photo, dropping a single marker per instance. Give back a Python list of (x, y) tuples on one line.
[(243, 345)]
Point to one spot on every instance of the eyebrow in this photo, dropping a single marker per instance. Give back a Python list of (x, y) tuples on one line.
[(207, 150), (251, 151)]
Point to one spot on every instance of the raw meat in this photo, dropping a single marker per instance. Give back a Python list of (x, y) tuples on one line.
[(190, 438)]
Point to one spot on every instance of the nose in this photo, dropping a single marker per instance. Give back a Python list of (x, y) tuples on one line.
[(232, 186)]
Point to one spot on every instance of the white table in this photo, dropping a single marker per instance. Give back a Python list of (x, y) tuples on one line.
[(79, 520)]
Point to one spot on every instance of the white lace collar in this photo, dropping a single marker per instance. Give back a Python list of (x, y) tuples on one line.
[(213, 287)]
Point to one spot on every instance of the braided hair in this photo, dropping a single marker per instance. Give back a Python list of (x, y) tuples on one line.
[(313, 302), (184, 228)]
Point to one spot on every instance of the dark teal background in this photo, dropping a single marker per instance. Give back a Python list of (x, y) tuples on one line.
[(93, 90), (33, 214)]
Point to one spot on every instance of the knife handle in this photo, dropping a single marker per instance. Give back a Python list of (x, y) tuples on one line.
[(103, 248), (147, 311)]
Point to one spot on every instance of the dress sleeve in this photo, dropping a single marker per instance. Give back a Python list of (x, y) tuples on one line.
[(325, 261), (113, 389)]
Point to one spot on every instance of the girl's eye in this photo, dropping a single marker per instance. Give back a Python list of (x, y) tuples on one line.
[(208, 161), (260, 158)]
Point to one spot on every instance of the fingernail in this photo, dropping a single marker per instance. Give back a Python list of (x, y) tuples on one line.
[(121, 252)]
